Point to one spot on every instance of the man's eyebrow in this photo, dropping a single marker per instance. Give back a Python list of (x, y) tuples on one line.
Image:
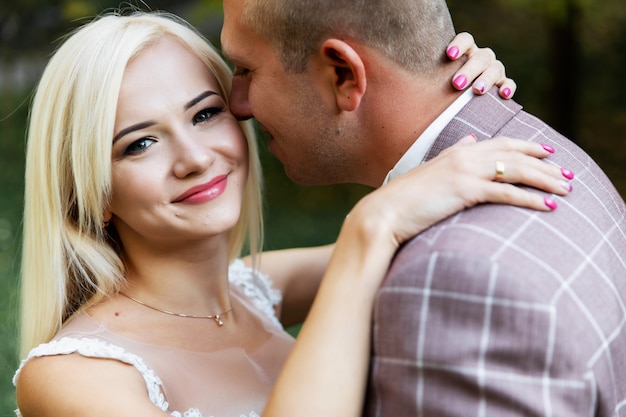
[(225, 52), (230, 57), (133, 128), (199, 98)]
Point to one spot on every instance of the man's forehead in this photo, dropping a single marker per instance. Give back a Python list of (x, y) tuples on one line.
[(232, 31), (240, 44), (231, 48)]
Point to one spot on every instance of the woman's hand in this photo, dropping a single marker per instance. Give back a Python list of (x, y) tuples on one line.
[(481, 66), (460, 177)]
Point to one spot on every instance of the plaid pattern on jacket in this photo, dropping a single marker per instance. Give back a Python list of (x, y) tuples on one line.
[(503, 311)]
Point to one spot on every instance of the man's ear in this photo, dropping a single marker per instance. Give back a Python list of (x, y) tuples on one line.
[(349, 73)]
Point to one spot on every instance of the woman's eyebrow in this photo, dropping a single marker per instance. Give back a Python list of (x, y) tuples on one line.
[(132, 128), (199, 98)]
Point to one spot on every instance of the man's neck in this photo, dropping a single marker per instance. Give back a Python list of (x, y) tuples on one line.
[(404, 108), (421, 146)]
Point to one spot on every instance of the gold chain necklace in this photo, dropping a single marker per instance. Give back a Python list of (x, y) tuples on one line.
[(215, 317)]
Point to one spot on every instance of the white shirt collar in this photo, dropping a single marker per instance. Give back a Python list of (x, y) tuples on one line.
[(416, 153)]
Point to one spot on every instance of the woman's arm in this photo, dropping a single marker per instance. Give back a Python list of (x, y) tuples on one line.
[(297, 273), (326, 372)]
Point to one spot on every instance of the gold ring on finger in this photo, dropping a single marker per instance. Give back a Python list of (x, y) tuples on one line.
[(500, 167)]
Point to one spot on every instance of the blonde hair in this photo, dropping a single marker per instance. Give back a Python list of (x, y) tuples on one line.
[(68, 258), (411, 33)]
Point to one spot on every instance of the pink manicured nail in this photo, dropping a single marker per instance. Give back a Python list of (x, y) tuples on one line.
[(453, 52), (567, 173), (480, 86), (550, 203), (567, 186), (548, 148), (473, 135), (507, 92), (460, 82)]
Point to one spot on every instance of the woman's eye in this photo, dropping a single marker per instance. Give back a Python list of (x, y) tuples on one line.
[(139, 146), (206, 114)]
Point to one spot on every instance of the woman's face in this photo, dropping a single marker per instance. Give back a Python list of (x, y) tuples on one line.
[(179, 159)]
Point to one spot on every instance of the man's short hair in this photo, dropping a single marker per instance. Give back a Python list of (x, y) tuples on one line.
[(412, 33)]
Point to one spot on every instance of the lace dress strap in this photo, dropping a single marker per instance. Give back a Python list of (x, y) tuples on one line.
[(257, 287)]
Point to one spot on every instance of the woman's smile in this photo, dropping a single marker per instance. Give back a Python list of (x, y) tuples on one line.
[(203, 193)]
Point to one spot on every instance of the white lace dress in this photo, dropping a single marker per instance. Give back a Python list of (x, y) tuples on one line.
[(232, 382)]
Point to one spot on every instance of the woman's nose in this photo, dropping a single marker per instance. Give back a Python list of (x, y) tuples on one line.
[(192, 156)]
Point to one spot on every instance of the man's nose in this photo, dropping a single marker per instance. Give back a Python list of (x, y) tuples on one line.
[(239, 104)]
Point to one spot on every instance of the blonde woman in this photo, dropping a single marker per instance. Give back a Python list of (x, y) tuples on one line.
[(141, 189)]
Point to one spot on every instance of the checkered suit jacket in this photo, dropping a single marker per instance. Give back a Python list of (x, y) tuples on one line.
[(502, 311)]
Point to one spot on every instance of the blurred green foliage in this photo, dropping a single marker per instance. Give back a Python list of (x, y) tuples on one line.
[(12, 116), (565, 56)]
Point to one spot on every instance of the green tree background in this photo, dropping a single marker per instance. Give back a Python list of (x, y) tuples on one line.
[(566, 56)]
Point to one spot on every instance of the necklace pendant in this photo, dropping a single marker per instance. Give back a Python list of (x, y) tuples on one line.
[(218, 321)]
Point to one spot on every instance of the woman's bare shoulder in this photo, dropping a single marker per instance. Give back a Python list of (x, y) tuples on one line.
[(62, 385)]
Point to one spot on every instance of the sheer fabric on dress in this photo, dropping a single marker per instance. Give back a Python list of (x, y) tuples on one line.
[(231, 382)]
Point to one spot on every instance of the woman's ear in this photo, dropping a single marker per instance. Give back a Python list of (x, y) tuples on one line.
[(106, 218), (349, 77)]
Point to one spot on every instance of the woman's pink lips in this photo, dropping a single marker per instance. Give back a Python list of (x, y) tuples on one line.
[(204, 192)]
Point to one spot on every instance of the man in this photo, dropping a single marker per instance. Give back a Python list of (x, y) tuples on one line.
[(496, 311)]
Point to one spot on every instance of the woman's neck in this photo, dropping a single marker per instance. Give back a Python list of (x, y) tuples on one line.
[(186, 278)]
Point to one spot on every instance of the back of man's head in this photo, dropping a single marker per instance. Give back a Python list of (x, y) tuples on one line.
[(412, 33)]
